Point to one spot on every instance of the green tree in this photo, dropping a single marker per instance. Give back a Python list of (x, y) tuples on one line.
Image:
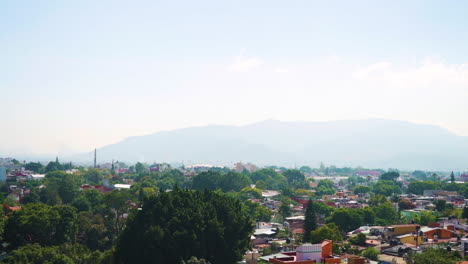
[(210, 180), (63, 254), (294, 176), (390, 176), (81, 203), (285, 208), (452, 177), (261, 185), (433, 256), (361, 189), (34, 166), (177, 225), (371, 253), (40, 223), (310, 222), (465, 212), (346, 219), (118, 201), (359, 239), (69, 187), (139, 167), (440, 205), (328, 231)]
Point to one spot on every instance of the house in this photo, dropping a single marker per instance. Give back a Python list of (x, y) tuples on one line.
[(439, 233), (307, 254), (410, 239), (396, 230), (295, 222)]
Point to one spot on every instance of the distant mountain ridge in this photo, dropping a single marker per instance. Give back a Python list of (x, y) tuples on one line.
[(369, 143)]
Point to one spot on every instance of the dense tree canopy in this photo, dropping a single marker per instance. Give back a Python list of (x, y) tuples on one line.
[(43, 224), (177, 225)]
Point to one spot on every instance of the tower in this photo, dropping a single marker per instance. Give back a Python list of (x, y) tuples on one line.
[(94, 158)]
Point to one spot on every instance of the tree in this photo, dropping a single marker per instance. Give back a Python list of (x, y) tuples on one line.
[(346, 219), (433, 256), (359, 239), (406, 204), (233, 181), (43, 224), (385, 214), (361, 189), (440, 205), (118, 200), (261, 185), (465, 212), (386, 188), (34, 166), (294, 176), (452, 177), (177, 225), (325, 187), (285, 208), (390, 176), (139, 167), (418, 187), (63, 254), (310, 223), (69, 187), (371, 253), (425, 218), (207, 180), (328, 231)]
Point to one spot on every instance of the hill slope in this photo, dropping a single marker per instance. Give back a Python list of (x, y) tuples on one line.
[(369, 143)]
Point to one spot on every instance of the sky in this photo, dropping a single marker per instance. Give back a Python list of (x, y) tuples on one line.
[(75, 75)]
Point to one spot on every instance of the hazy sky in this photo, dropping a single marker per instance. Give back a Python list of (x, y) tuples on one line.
[(80, 74)]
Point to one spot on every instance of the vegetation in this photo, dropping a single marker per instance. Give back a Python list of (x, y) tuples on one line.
[(177, 225)]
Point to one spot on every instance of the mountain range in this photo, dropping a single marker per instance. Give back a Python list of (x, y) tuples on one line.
[(373, 143)]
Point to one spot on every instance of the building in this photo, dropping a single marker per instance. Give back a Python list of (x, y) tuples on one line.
[(3, 174), (397, 230), (308, 254)]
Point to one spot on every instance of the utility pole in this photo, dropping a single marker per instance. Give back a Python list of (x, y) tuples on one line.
[(94, 158)]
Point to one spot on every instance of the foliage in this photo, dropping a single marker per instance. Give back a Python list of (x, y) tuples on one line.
[(433, 256), (390, 176), (177, 225), (118, 201), (285, 208), (328, 231), (294, 176), (63, 254), (440, 205), (213, 180), (43, 224), (361, 189), (425, 218), (346, 219), (386, 187), (465, 212), (406, 204), (371, 253), (359, 239), (34, 166), (418, 187), (322, 208), (377, 200), (310, 223), (325, 187), (257, 211)]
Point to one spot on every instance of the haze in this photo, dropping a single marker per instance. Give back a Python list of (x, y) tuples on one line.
[(84, 74)]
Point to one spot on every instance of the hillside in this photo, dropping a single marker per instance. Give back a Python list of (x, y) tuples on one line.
[(369, 143)]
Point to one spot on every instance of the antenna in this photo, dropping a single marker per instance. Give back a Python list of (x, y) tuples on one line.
[(94, 158)]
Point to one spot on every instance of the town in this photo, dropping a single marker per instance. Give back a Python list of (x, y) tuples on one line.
[(295, 215)]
